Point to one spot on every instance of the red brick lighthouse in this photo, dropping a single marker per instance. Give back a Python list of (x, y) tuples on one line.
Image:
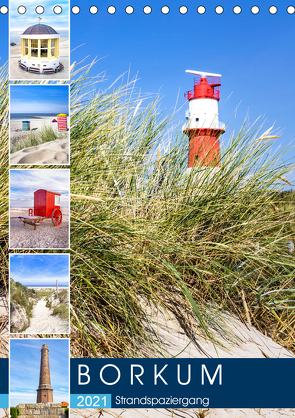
[(44, 391)]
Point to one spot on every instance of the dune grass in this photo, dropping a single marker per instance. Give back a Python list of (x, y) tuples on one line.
[(144, 232), (45, 134)]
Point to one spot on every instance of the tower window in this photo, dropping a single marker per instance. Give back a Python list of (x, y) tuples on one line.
[(197, 119)]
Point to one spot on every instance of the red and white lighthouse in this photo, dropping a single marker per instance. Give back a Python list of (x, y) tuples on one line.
[(202, 126)]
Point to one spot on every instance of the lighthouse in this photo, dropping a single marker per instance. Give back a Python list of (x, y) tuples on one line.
[(44, 391), (202, 125)]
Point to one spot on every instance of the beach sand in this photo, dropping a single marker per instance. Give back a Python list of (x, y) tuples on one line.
[(182, 413), (4, 413), (46, 235), (16, 73), (4, 317), (239, 340), (250, 343), (47, 288), (53, 152)]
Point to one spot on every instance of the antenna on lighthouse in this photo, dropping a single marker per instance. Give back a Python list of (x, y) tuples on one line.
[(202, 73)]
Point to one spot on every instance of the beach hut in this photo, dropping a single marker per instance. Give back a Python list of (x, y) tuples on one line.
[(62, 122), (40, 50), (45, 202), (26, 126)]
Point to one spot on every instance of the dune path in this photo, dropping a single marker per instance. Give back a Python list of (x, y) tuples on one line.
[(43, 321)]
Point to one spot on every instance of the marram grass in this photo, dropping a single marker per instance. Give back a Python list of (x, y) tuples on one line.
[(144, 232)]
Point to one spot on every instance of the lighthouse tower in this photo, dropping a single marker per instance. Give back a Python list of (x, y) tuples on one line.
[(44, 391), (202, 125)]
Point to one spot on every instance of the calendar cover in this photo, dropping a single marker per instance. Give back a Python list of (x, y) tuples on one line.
[(147, 209)]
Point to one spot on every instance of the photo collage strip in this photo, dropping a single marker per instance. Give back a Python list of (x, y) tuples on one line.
[(39, 208)]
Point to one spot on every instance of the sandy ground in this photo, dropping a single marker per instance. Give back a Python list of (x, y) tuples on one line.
[(4, 336), (16, 73), (239, 340), (46, 235), (4, 413), (183, 413), (43, 322), (53, 152), (172, 340)]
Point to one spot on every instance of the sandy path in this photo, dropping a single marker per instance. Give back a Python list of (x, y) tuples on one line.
[(43, 322)]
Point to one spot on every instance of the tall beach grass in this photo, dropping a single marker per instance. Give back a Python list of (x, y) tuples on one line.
[(144, 232), (45, 134)]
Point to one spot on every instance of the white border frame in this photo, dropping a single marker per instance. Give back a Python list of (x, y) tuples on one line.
[(69, 49), (43, 340), (69, 227), (69, 116), (69, 291)]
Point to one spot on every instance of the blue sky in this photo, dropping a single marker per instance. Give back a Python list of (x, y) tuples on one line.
[(20, 22), (25, 356), (254, 54), (39, 269), (39, 99), (23, 184)]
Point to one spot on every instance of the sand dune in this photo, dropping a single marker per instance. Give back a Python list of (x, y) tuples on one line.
[(54, 152), (182, 413), (173, 341), (239, 340)]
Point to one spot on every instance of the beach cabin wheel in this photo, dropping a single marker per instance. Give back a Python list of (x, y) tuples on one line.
[(56, 217)]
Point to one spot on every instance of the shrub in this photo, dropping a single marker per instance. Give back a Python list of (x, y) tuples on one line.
[(14, 412), (61, 310)]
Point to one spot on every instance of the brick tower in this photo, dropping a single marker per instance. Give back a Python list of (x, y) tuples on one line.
[(44, 391)]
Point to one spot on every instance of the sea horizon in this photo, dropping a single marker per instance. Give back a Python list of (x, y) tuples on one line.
[(48, 286), (15, 36), (33, 115)]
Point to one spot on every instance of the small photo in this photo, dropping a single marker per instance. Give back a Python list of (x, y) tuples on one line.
[(39, 293), (39, 377), (39, 205), (39, 124), (39, 40)]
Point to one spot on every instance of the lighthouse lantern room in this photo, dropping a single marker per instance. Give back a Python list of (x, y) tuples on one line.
[(202, 125)]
